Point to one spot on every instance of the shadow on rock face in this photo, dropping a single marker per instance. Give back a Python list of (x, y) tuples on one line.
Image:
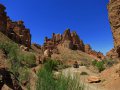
[(118, 51), (5, 78)]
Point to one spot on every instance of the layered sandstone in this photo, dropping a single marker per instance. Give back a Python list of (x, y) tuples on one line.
[(114, 18), (15, 30)]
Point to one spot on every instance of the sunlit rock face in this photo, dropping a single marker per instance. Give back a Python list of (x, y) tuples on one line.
[(89, 51), (15, 30), (69, 40), (18, 32), (112, 54), (114, 18)]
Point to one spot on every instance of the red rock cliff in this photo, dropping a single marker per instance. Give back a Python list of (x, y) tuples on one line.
[(14, 29), (114, 18)]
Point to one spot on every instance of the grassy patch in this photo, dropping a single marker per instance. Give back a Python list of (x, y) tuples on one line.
[(20, 61), (46, 80)]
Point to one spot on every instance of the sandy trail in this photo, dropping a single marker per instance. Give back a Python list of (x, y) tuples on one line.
[(73, 72)]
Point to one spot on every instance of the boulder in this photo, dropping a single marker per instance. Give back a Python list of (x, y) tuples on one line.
[(23, 48), (40, 59), (93, 79), (47, 53)]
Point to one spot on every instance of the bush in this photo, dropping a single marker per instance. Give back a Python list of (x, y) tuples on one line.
[(94, 62), (46, 79), (27, 59), (47, 82), (20, 61), (16, 56), (109, 62), (99, 64), (51, 65), (25, 74)]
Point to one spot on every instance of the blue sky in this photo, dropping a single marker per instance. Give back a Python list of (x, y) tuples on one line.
[(89, 18)]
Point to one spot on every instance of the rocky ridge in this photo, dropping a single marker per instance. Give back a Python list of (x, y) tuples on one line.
[(15, 30), (69, 40)]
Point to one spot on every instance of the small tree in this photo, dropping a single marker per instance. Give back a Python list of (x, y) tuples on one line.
[(100, 66)]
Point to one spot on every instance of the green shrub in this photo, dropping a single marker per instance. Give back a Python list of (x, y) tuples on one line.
[(24, 71), (27, 59), (51, 65), (109, 62), (94, 62), (20, 61), (16, 56), (83, 73), (100, 66), (47, 82), (46, 79)]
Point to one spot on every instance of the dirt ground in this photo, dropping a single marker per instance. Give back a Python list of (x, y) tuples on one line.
[(73, 72)]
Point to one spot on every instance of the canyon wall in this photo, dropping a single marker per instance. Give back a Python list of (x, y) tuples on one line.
[(15, 30), (114, 18)]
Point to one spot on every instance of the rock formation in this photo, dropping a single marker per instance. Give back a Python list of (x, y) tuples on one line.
[(112, 54), (89, 50), (71, 41), (77, 42), (114, 17), (68, 39), (14, 30)]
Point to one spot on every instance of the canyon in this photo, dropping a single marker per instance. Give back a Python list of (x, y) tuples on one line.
[(66, 48)]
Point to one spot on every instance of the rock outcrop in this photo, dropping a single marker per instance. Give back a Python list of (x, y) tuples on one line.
[(112, 54), (93, 79), (89, 50), (71, 41), (114, 17), (68, 39), (15, 30)]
